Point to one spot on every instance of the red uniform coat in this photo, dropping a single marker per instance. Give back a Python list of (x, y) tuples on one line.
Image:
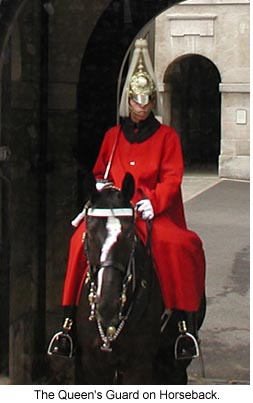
[(157, 166)]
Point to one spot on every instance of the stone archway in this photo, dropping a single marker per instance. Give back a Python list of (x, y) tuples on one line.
[(195, 109)]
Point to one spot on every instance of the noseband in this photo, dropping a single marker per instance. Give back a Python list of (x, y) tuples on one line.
[(111, 333)]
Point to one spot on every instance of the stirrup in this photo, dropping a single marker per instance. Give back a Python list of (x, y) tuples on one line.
[(186, 346), (61, 344)]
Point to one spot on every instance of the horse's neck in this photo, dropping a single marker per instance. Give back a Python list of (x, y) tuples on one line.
[(143, 261)]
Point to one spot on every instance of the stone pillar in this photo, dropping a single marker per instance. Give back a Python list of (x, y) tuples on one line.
[(164, 90), (234, 160)]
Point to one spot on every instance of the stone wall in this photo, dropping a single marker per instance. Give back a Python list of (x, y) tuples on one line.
[(43, 196), (219, 31)]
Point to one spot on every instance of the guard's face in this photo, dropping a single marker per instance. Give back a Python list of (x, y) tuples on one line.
[(139, 112)]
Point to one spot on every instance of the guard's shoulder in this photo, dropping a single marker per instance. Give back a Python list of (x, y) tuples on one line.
[(169, 131), (113, 131), (111, 134)]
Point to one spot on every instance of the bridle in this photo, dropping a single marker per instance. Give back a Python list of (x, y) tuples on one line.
[(112, 332)]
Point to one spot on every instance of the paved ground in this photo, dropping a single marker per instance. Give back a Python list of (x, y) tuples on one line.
[(220, 215), (195, 183)]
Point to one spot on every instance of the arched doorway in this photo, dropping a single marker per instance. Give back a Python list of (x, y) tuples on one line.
[(195, 109)]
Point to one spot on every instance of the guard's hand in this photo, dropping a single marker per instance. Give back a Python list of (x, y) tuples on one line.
[(144, 207)]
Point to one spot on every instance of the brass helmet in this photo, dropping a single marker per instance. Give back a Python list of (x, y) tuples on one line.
[(141, 87), (140, 83)]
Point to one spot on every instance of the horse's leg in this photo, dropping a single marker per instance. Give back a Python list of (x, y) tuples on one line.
[(92, 366), (94, 369), (168, 370), (139, 374)]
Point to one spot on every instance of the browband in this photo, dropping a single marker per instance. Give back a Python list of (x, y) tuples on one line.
[(110, 212)]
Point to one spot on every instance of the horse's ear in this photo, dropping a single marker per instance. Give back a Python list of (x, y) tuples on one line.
[(128, 186), (90, 189)]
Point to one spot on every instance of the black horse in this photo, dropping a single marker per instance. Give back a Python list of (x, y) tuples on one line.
[(119, 316)]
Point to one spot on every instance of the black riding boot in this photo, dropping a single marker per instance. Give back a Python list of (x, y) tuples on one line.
[(187, 343), (62, 343)]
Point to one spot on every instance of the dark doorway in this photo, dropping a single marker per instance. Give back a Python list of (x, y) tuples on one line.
[(104, 54), (195, 109)]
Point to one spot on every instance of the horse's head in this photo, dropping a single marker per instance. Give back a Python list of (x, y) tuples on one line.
[(110, 239)]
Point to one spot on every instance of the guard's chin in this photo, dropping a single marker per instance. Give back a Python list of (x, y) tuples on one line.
[(140, 113)]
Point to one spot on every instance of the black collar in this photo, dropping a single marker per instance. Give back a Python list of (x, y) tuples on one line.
[(139, 132)]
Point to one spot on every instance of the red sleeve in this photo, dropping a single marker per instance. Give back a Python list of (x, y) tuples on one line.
[(168, 189)]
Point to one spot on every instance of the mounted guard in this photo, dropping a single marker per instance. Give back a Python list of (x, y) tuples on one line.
[(151, 152)]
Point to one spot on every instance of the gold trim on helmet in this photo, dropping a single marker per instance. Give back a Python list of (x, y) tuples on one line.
[(141, 87)]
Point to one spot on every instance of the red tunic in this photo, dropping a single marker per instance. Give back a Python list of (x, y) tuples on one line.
[(157, 166)]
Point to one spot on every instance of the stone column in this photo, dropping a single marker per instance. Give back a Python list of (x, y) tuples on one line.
[(234, 160), (164, 90)]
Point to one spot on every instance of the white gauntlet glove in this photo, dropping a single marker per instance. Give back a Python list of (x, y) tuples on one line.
[(144, 207)]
